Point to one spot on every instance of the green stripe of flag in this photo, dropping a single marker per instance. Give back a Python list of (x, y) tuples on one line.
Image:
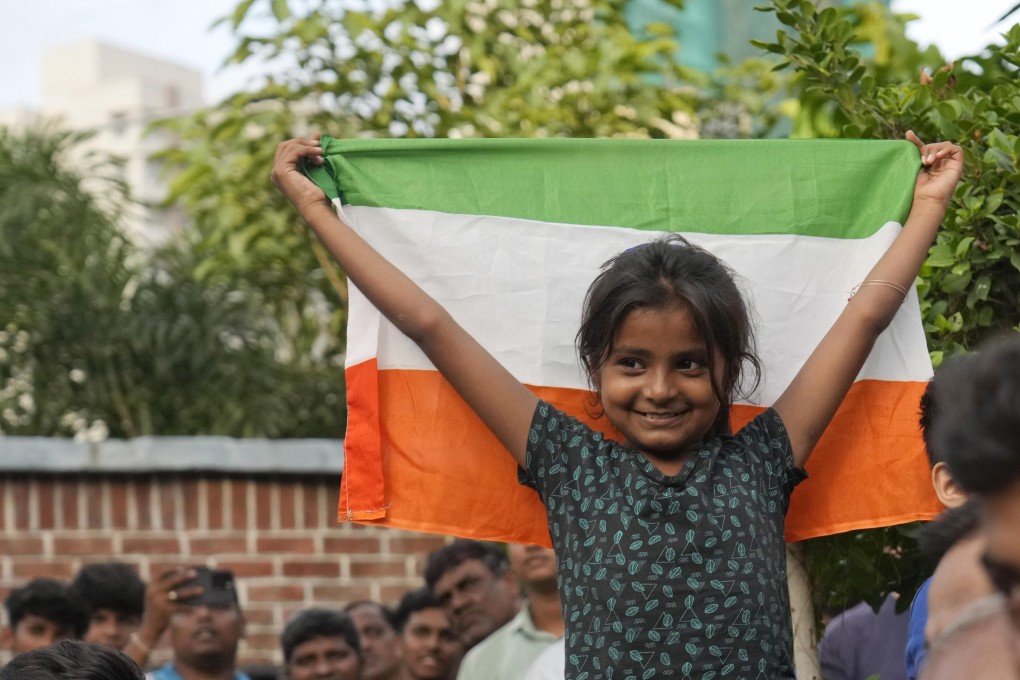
[(837, 188)]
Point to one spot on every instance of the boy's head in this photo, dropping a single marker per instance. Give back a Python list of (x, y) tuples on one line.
[(380, 659), (72, 660), (43, 612), (115, 596), (321, 644), (429, 647), (946, 488), (980, 438)]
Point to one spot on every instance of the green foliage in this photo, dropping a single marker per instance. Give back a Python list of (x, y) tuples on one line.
[(856, 75), (970, 283), (100, 339)]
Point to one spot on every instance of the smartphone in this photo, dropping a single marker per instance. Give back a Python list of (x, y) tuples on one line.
[(217, 587)]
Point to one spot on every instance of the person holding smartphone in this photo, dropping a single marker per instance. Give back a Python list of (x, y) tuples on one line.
[(206, 625)]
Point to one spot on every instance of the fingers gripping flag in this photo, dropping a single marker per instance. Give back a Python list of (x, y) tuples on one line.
[(507, 235)]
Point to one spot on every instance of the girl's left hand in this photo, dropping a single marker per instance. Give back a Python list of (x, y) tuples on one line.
[(941, 168)]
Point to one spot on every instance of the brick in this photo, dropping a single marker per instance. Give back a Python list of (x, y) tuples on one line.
[(118, 504), (191, 499), (307, 569), (257, 616), (151, 545), (143, 502), (214, 503), (69, 504), (392, 594), (218, 545), (281, 593), (339, 595), (22, 502), (332, 503), (287, 493), (257, 641), (31, 569), (239, 503), (169, 492), (248, 568), (405, 545), (375, 569), (264, 505), (82, 545), (311, 507), (285, 544), (94, 505), (352, 545), (21, 546), (47, 503)]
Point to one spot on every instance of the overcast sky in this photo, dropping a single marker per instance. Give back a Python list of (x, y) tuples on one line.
[(179, 31)]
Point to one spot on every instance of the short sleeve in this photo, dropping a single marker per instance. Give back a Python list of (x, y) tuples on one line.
[(915, 651), (766, 437), (557, 444)]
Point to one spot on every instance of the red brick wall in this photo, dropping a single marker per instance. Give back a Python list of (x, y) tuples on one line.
[(279, 535)]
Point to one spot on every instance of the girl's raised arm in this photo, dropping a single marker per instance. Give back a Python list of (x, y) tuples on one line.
[(811, 400), (499, 399)]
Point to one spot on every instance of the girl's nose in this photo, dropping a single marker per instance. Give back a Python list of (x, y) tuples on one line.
[(661, 385)]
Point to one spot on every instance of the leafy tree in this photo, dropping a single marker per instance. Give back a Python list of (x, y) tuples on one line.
[(100, 339), (970, 282)]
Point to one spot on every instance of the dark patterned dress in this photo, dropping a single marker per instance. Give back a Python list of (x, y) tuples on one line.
[(668, 577)]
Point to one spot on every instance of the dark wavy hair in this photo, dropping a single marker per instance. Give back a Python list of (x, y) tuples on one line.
[(672, 270), (415, 601), (310, 624), (71, 660), (978, 436), (49, 599), (460, 551), (111, 585)]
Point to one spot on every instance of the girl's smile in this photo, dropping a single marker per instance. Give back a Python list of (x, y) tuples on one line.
[(656, 386)]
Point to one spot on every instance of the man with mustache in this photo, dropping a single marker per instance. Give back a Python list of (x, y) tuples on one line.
[(205, 631), (509, 651)]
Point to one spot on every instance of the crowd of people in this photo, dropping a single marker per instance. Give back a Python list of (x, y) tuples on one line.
[(481, 613)]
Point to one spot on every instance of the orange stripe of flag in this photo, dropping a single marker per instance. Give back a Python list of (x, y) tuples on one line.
[(432, 465)]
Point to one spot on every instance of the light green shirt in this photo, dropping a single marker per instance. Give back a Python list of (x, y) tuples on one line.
[(507, 653)]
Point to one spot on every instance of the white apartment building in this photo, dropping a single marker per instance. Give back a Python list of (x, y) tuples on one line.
[(117, 93)]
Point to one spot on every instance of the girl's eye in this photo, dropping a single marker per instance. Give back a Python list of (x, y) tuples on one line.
[(690, 365), (630, 363)]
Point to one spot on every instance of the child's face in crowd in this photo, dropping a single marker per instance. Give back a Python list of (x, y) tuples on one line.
[(379, 657), (431, 648), (324, 658), (656, 387), (35, 632), (110, 628), (1002, 546)]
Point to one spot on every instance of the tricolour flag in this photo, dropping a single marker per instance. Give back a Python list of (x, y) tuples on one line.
[(508, 234)]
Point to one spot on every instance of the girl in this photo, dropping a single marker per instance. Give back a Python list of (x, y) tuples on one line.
[(670, 547)]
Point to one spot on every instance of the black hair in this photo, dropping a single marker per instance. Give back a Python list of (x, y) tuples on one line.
[(955, 524), (49, 599), (315, 623), (978, 436), (415, 601), (459, 552), (927, 418), (111, 585), (664, 272), (385, 612), (72, 660)]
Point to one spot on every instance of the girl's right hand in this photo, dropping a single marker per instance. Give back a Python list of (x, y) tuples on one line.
[(287, 174)]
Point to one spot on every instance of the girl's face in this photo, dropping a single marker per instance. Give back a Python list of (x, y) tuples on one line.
[(656, 387)]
